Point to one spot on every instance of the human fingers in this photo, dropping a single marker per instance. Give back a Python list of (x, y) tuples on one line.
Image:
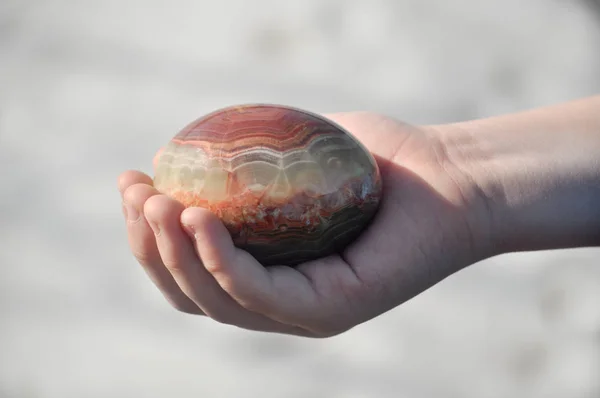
[(182, 261), (143, 243), (131, 177), (281, 293)]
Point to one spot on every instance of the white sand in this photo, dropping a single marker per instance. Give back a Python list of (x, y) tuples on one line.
[(90, 88)]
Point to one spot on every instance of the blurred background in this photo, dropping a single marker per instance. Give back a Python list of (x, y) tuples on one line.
[(91, 88)]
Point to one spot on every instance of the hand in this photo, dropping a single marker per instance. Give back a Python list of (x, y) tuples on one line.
[(423, 232)]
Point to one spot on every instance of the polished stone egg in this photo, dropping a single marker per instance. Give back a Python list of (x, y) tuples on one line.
[(290, 186)]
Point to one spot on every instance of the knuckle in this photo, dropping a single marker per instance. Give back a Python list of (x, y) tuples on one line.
[(215, 267), (143, 257), (176, 268)]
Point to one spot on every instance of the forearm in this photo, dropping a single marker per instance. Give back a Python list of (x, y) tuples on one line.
[(538, 175)]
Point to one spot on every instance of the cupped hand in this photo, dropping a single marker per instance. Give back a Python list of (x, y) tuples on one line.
[(427, 228)]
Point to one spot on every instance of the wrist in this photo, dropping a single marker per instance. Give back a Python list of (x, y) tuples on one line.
[(535, 177)]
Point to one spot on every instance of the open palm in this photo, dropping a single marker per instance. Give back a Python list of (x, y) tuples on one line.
[(421, 234)]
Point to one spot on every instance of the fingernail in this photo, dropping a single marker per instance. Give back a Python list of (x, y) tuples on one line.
[(131, 212), (190, 230), (154, 227)]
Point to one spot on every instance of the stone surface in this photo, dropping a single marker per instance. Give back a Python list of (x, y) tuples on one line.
[(289, 185)]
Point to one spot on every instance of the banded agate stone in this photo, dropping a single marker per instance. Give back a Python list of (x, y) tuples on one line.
[(289, 185)]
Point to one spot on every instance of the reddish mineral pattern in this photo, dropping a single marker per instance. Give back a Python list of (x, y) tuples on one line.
[(289, 185)]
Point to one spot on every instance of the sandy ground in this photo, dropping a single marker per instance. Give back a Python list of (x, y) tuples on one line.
[(88, 89)]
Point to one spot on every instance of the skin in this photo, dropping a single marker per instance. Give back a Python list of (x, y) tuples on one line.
[(453, 195)]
